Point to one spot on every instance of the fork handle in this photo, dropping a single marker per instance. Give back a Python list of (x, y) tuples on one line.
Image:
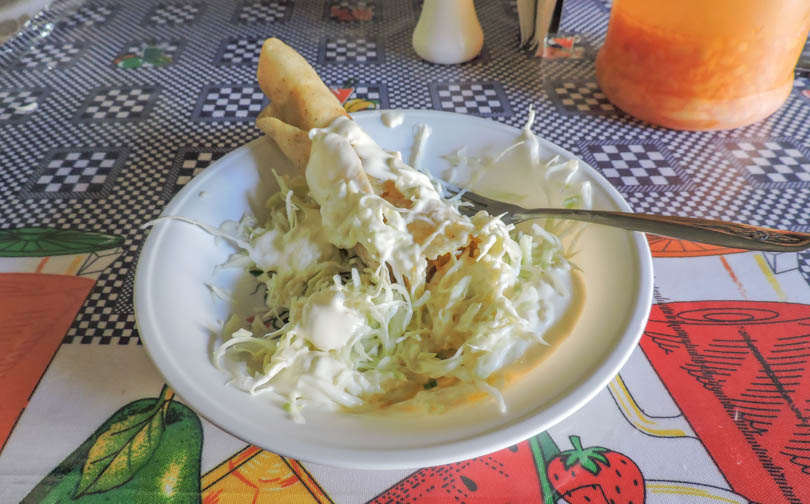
[(726, 234)]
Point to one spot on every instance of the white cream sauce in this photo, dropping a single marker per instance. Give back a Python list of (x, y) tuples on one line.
[(401, 233), (328, 323), (392, 118), (297, 250), (490, 297)]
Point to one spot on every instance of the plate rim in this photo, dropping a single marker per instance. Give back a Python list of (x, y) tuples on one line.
[(440, 453)]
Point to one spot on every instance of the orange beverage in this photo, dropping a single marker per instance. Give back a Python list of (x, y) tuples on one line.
[(702, 65)]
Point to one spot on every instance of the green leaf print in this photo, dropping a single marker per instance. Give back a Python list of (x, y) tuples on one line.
[(123, 448), (41, 242)]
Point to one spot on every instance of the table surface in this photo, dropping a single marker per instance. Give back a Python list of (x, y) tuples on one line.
[(108, 108)]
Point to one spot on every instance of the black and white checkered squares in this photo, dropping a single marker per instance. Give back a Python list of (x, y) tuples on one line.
[(579, 97), (168, 14), (353, 10), (98, 324), (88, 15), (229, 102), (770, 163), (239, 51), (605, 5), (263, 11), (804, 265), (16, 105), (483, 98), (71, 173), (376, 93), (188, 163), (103, 329), (50, 54), (643, 165), (148, 54), (343, 50), (118, 104)]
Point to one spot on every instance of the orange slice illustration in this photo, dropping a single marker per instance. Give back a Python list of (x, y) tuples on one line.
[(662, 246), (257, 476)]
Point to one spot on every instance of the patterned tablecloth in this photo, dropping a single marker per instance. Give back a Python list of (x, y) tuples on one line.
[(108, 108)]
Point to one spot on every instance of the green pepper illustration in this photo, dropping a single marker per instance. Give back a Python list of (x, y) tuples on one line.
[(148, 450)]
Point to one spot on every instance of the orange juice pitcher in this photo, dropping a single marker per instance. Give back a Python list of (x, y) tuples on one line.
[(702, 65)]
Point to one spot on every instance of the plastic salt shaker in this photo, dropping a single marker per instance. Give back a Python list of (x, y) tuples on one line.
[(448, 32)]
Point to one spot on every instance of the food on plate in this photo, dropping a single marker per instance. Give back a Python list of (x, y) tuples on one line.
[(378, 290)]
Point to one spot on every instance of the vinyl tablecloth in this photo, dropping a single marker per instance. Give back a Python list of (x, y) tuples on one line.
[(107, 108)]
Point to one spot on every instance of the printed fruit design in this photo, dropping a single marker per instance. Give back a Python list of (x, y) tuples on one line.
[(340, 13), (257, 476), (150, 55), (45, 276), (343, 94), (563, 47), (739, 372), (508, 475), (148, 450), (358, 104), (532, 471), (595, 475), (663, 246)]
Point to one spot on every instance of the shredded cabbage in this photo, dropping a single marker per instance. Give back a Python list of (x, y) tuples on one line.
[(336, 332)]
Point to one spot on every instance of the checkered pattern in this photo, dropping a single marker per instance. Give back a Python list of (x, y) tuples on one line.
[(511, 8), (173, 14), (50, 54), (636, 166), (100, 321), (168, 49), (118, 104), (579, 97), (75, 174), (18, 104), (801, 85), (87, 16), (371, 92), (230, 102), (770, 162), (478, 98), (239, 51), (263, 11), (804, 265), (713, 188), (353, 10), (342, 50), (604, 5), (116, 327), (804, 58), (187, 164)]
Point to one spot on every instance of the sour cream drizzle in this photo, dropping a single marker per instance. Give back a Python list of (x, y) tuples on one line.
[(399, 230), (491, 294), (392, 118)]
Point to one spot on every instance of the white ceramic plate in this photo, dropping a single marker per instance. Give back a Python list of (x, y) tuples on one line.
[(177, 315)]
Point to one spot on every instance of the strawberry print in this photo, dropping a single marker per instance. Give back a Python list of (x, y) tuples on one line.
[(595, 475)]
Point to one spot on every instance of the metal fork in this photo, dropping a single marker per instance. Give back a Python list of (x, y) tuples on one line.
[(715, 232)]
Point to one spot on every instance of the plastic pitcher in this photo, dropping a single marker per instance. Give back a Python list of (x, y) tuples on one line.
[(702, 65)]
